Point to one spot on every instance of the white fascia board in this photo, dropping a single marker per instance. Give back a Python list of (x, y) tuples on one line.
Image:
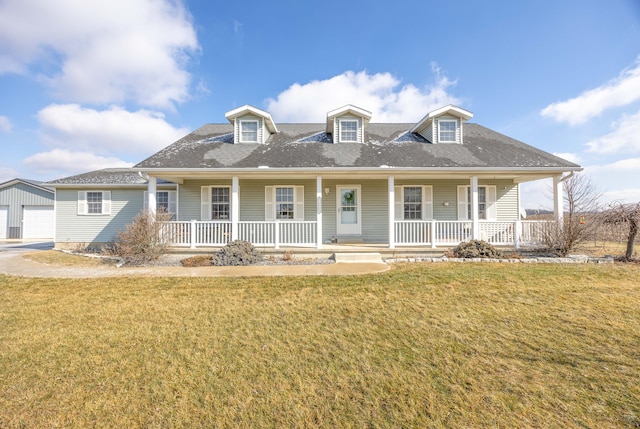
[(231, 115), (33, 185), (461, 113)]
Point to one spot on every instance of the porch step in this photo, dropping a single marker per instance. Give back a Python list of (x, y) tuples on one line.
[(374, 258)]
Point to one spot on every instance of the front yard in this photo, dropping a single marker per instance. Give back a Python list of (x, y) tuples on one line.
[(423, 345)]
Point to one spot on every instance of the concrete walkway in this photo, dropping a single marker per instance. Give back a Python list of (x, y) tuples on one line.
[(12, 262)]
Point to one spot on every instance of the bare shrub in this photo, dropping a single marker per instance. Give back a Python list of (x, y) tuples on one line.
[(629, 216), (476, 249), (237, 253), (581, 199), (144, 239), (288, 256)]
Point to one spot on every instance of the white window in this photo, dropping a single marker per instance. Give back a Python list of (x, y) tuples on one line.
[(249, 131), (447, 131), (166, 201), (486, 202), (94, 202), (348, 130), (284, 202), (413, 202), (215, 203)]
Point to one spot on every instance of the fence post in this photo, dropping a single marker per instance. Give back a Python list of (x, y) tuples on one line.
[(192, 239), (517, 236), (276, 238)]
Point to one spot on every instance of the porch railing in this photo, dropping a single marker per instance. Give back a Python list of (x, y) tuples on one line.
[(218, 233), (406, 233), (450, 233)]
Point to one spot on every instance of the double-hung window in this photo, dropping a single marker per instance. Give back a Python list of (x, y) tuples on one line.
[(348, 130), (447, 131), (220, 204), (486, 203), (166, 201), (215, 203), (413, 202), (94, 202), (249, 131), (284, 203)]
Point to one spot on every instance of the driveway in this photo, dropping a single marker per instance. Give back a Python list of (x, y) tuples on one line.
[(12, 262)]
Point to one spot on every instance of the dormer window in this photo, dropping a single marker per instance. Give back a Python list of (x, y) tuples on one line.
[(348, 130), (447, 131), (248, 131)]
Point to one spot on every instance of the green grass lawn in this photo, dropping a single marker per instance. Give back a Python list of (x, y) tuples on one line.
[(423, 345)]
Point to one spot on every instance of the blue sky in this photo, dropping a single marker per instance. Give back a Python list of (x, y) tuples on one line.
[(87, 85)]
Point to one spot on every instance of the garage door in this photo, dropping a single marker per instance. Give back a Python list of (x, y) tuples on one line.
[(38, 222), (4, 221)]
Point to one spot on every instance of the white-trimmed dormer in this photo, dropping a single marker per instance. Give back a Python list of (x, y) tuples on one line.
[(346, 124), (444, 125), (250, 124)]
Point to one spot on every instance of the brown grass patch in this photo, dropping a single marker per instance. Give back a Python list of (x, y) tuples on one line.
[(55, 257), (433, 345)]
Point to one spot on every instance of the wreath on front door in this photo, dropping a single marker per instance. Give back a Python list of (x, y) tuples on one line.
[(349, 197)]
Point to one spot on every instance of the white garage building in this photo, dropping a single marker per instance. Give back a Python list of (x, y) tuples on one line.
[(26, 210)]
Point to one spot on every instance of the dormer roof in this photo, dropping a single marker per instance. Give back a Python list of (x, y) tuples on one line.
[(349, 109), (450, 109), (247, 109)]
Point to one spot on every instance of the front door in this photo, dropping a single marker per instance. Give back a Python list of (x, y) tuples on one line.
[(348, 204)]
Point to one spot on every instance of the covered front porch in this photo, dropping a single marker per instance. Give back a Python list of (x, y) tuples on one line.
[(395, 211)]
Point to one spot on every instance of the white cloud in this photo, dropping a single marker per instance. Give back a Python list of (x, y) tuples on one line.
[(569, 156), (617, 180), (5, 124), (379, 93), (102, 51), (63, 162), (620, 91), (7, 173), (107, 131), (623, 138)]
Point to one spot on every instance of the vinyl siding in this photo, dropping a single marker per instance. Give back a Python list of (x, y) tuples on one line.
[(95, 229), (17, 196)]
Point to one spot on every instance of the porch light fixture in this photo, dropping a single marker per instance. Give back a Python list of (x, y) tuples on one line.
[(446, 204), (326, 191)]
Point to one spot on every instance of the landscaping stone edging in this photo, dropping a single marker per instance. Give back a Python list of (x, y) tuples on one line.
[(578, 259)]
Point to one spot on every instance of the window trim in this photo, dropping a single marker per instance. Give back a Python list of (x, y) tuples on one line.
[(340, 130), (270, 203), (241, 131), (464, 202), (206, 203), (427, 203), (83, 203), (172, 200), (440, 131)]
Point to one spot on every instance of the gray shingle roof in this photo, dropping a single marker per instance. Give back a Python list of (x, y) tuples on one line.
[(308, 145), (107, 176)]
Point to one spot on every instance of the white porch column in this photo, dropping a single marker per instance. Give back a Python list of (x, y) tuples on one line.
[(474, 208), (319, 212), (558, 200), (151, 195), (235, 207), (392, 213)]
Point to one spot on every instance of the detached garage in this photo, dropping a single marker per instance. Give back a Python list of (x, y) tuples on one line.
[(26, 210)]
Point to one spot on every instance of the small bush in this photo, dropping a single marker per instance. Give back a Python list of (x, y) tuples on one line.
[(237, 253), (476, 249), (288, 256), (197, 261), (143, 240)]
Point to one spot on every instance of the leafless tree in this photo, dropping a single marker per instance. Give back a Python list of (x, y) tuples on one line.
[(581, 201), (625, 214)]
